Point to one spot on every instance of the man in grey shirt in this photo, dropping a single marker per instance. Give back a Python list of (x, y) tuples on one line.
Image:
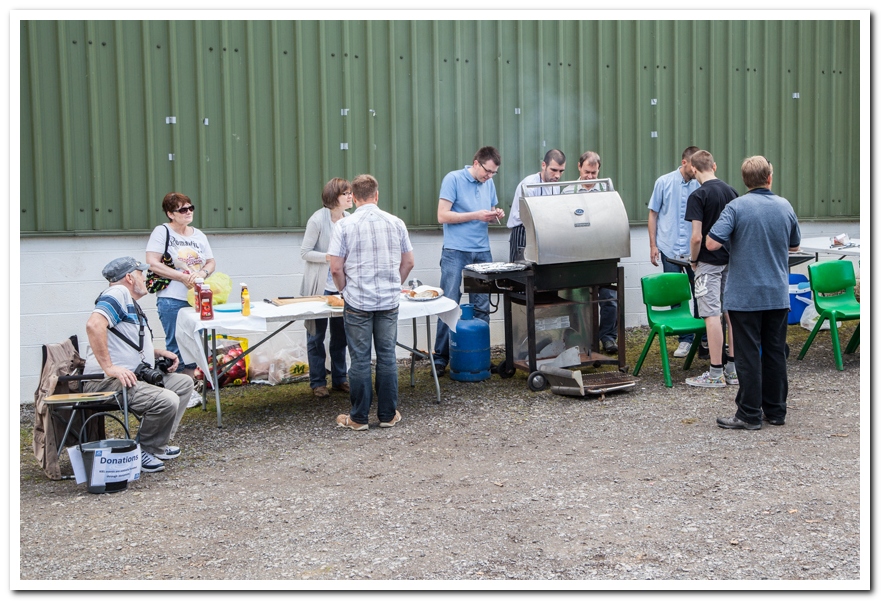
[(761, 229)]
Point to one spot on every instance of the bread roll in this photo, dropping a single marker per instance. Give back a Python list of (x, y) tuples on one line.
[(426, 294), (335, 301)]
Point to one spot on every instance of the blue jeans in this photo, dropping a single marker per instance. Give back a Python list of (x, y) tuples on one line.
[(452, 263), (380, 327), (608, 315), (168, 309), (671, 268), (317, 355)]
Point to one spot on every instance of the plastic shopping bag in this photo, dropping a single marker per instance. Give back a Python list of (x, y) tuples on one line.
[(221, 286), (229, 349), (809, 319), (280, 360)]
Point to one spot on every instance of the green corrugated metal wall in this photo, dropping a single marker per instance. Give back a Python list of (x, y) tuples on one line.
[(422, 96)]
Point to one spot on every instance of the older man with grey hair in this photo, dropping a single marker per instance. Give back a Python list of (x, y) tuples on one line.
[(121, 347)]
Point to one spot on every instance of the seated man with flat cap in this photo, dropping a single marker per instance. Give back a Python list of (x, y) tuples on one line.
[(121, 346)]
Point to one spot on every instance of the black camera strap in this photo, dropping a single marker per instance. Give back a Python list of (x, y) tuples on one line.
[(142, 321)]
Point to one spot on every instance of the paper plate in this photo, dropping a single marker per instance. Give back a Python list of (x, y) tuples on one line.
[(230, 307), (440, 294)]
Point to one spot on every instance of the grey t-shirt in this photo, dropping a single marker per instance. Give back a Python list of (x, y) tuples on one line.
[(759, 227), (117, 306)]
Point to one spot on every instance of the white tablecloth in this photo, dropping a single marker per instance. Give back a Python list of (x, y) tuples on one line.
[(189, 325), (824, 245)]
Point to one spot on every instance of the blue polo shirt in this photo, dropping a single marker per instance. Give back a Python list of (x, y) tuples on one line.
[(467, 194), (759, 228), (669, 200)]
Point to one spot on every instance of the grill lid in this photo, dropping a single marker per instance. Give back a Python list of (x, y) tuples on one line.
[(574, 226)]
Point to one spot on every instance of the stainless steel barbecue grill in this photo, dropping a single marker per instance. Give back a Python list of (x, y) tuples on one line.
[(574, 241)]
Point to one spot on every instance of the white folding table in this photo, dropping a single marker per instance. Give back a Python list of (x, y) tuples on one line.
[(824, 245), (193, 335)]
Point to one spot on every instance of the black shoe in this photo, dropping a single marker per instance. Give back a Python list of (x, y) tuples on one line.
[(774, 421), (703, 351), (440, 369), (734, 423), (609, 346)]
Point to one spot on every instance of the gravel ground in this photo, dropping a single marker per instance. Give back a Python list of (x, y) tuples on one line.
[(497, 482)]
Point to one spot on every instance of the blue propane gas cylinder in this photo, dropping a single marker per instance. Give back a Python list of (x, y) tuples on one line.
[(469, 348)]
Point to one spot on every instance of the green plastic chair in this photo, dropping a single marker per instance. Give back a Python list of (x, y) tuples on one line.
[(659, 293), (831, 277)]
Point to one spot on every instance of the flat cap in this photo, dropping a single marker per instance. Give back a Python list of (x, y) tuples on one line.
[(116, 269)]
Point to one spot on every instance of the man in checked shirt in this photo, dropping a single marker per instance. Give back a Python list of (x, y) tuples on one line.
[(370, 255)]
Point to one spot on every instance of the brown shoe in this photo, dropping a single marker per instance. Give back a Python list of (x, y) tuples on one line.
[(392, 423), (320, 392), (344, 387), (344, 421)]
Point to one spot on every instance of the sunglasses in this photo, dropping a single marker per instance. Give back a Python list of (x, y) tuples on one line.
[(184, 210)]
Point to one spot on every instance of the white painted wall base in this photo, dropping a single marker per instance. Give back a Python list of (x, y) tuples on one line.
[(61, 277)]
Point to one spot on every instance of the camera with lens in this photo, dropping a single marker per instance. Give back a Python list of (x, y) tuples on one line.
[(164, 363), (151, 375)]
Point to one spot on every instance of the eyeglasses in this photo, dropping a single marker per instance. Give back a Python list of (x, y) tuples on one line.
[(488, 172), (185, 210)]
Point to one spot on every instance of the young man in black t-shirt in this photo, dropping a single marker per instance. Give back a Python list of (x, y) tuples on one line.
[(710, 267)]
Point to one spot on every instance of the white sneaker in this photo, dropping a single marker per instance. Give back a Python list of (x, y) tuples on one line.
[(683, 349), (170, 452), (195, 400), (149, 463)]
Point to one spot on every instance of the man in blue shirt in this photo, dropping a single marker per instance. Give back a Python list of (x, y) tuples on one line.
[(669, 233), (467, 204), (761, 229)]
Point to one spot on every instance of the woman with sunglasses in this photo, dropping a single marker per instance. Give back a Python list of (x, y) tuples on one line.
[(192, 258), (336, 197)]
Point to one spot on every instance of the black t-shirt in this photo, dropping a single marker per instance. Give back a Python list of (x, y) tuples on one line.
[(705, 205)]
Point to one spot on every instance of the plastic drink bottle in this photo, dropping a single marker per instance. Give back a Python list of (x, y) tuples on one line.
[(246, 300), (206, 303)]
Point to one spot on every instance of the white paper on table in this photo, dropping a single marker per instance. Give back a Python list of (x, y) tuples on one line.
[(76, 461)]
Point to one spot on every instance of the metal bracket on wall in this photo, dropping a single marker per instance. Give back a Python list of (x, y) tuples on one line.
[(344, 145), (654, 134), (654, 101), (795, 96), (344, 112), (170, 120), (205, 121), (170, 157)]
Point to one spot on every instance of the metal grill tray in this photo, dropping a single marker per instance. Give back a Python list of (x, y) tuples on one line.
[(606, 381), (497, 267)]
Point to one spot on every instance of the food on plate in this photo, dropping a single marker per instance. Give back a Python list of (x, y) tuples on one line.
[(335, 301), (422, 293)]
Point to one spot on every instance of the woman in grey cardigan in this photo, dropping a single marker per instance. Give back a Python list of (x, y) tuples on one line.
[(336, 197)]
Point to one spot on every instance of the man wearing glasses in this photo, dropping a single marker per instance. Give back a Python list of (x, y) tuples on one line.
[(552, 168), (467, 204)]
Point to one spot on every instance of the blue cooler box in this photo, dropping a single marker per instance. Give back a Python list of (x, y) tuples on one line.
[(799, 296)]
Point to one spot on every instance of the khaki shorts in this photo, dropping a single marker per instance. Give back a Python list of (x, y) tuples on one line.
[(709, 282)]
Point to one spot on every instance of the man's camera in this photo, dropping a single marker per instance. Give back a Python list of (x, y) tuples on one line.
[(152, 375), (164, 363)]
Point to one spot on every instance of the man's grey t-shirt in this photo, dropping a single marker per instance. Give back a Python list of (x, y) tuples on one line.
[(759, 227)]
